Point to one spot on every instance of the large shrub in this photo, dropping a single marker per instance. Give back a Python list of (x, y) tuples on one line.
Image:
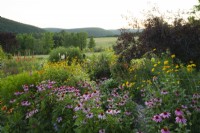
[(99, 66), (62, 53), (63, 73), (55, 54), (74, 53)]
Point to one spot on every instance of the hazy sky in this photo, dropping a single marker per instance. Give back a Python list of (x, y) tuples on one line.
[(82, 13)]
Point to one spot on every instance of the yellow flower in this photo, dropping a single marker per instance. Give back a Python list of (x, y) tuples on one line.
[(177, 66), (153, 69), (166, 62), (193, 65), (164, 69), (173, 56), (154, 49), (155, 65)]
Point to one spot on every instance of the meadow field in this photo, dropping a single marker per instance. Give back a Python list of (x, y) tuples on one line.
[(105, 42)]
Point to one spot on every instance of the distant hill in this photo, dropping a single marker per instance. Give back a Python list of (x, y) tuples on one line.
[(7, 25), (96, 32)]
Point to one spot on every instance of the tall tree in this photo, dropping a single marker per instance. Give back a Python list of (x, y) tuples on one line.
[(91, 43)]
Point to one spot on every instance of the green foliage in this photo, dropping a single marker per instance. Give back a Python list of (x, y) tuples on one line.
[(55, 54), (2, 54), (63, 73), (99, 67), (12, 83), (91, 43), (74, 53), (21, 64)]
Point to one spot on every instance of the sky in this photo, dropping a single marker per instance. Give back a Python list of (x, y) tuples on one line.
[(107, 14)]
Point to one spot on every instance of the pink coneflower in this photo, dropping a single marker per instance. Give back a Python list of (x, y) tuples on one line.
[(184, 106), (69, 106), (149, 103), (113, 112), (165, 115), (110, 99), (178, 112), (165, 130), (180, 119), (25, 103), (89, 115), (164, 92), (127, 113), (12, 101), (78, 107), (86, 110), (31, 113), (157, 118), (18, 93), (102, 116), (25, 87), (102, 131)]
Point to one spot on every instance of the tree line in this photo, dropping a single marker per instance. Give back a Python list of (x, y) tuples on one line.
[(41, 43)]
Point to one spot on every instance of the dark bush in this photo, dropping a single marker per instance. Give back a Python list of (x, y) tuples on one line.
[(181, 39)]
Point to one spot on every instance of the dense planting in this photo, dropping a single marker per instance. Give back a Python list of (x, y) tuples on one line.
[(156, 95)]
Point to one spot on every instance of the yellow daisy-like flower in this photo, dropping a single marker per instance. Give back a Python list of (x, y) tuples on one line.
[(154, 49), (155, 65), (153, 69), (173, 56), (166, 62)]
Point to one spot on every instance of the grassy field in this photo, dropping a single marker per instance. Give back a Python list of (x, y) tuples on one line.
[(105, 42)]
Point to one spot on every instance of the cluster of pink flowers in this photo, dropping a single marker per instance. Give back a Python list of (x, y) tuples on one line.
[(25, 103), (195, 101), (153, 102), (160, 117), (113, 112), (31, 113), (179, 116), (164, 92)]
